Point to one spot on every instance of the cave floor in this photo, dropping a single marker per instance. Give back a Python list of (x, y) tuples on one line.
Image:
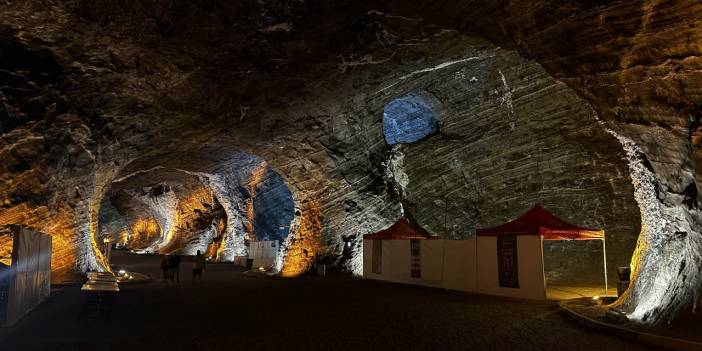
[(234, 311), (574, 291)]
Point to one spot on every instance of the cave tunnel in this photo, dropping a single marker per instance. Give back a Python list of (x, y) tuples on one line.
[(192, 206), (135, 132)]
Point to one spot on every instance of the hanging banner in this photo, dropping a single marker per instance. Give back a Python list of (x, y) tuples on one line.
[(377, 256), (415, 261), (507, 261)]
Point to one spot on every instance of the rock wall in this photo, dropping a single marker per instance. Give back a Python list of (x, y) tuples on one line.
[(637, 63), (510, 136)]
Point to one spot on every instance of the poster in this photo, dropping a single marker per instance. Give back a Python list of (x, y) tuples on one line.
[(377, 257), (415, 261), (507, 261)]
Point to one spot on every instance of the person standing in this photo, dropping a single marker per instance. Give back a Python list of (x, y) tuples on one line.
[(165, 266), (198, 266), (175, 268)]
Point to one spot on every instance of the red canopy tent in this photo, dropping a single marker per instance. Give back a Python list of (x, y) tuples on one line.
[(401, 230), (538, 221)]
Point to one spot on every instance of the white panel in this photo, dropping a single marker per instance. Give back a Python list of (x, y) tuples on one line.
[(460, 271), (367, 259), (432, 252), (398, 259), (531, 267), (31, 281)]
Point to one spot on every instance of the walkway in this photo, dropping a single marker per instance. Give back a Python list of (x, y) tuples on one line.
[(232, 311)]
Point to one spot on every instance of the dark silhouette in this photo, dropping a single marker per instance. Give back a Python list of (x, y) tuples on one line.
[(198, 266), (175, 268), (165, 264)]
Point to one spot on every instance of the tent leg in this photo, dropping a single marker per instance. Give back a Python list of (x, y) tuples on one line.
[(604, 260)]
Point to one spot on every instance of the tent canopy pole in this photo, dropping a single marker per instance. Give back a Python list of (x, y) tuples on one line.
[(604, 260)]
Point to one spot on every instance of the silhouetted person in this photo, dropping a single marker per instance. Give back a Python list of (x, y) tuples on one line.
[(175, 268), (198, 265), (165, 265)]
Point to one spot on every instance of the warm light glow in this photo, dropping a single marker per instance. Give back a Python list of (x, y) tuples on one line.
[(144, 232), (59, 225), (123, 237), (305, 243), (212, 250), (189, 209), (6, 249), (660, 256)]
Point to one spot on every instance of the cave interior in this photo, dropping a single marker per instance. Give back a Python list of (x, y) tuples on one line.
[(170, 127)]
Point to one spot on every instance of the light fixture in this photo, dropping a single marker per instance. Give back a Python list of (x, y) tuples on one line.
[(122, 272)]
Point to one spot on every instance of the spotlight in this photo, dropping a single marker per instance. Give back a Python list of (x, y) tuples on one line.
[(122, 272)]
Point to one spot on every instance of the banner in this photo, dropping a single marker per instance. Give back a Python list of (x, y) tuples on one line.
[(415, 261), (507, 261), (377, 256)]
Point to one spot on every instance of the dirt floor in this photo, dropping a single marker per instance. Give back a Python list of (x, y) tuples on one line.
[(233, 311)]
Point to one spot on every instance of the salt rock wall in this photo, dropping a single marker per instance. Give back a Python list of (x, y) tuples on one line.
[(178, 201), (143, 232), (637, 63), (510, 136), (199, 216), (46, 148)]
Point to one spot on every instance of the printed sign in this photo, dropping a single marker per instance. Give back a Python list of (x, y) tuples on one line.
[(377, 257), (507, 261), (415, 261)]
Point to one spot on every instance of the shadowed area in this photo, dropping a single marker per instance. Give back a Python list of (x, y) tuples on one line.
[(232, 311)]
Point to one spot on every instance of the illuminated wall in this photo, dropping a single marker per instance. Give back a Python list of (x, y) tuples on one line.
[(200, 223), (274, 207), (409, 118), (303, 245), (666, 260), (5, 246), (143, 233), (60, 226)]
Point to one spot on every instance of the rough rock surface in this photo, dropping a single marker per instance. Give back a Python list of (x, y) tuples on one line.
[(558, 102)]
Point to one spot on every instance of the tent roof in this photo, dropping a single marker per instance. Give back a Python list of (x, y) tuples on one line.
[(401, 230), (538, 221)]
